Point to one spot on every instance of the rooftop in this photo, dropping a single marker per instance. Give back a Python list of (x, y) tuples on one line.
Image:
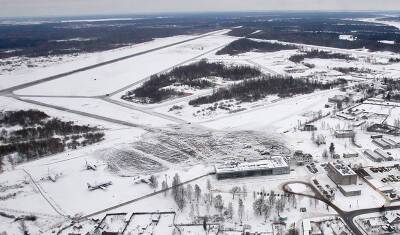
[(273, 162), (342, 168)]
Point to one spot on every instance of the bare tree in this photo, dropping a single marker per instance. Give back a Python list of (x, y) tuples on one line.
[(189, 192), (230, 210), (240, 209), (235, 190), (258, 206), (153, 182), (164, 186), (197, 192), (218, 203)]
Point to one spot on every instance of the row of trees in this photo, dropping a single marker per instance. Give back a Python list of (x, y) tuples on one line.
[(246, 45), (347, 70), (255, 89), (320, 55), (154, 90)]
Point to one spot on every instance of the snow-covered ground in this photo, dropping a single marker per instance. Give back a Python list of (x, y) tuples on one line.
[(110, 78), (64, 64), (186, 140)]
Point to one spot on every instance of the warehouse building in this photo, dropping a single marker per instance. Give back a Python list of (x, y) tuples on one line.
[(341, 174), (273, 166)]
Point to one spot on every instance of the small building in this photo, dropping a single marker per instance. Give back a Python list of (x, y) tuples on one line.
[(376, 136), (341, 174), (273, 166), (350, 155), (383, 154), (309, 127), (372, 155), (382, 144), (344, 134), (299, 158), (350, 190)]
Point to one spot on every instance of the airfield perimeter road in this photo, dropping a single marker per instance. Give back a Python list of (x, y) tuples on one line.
[(347, 216)]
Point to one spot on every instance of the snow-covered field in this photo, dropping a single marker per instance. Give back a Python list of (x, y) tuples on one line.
[(173, 137), (67, 63), (110, 78)]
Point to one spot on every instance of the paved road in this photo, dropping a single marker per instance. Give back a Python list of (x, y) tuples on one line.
[(39, 81)]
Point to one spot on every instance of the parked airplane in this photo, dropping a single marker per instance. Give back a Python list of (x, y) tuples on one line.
[(96, 186), (90, 166)]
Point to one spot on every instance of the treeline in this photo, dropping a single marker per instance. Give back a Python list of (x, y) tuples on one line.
[(22, 117), (347, 70), (154, 90), (313, 54), (46, 130), (246, 45), (33, 149), (256, 89), (39, 135)]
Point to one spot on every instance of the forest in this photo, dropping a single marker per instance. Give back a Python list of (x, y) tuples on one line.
[(318, 54), (33, 134), (256, 89), (153, 90), (323, 31), (244, 45), (69, 37)]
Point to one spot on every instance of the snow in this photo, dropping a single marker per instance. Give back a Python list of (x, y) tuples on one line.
[(110, 78), (105, 109), (387, 42), (347, 37), (68, 63)]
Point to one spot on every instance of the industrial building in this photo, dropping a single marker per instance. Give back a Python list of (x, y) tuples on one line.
[(341, 174), (273, 166)]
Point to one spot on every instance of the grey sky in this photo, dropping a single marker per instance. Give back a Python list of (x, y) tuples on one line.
[(9, 8)]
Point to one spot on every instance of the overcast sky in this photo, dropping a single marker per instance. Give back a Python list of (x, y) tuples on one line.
[(9, 8)]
